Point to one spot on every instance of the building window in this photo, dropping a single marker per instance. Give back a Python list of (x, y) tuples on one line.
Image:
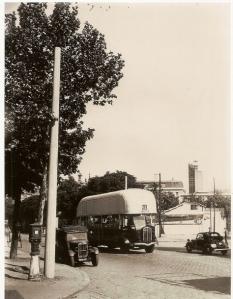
[(193, 207)]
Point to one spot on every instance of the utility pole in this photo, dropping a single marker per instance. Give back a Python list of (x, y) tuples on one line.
[(214, 203), (210, 217), (52, 184), (126, 182), (159, 205)]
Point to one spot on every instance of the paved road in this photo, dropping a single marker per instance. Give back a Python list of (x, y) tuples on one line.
[(167, 273)]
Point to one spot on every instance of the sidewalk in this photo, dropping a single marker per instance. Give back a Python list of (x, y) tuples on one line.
[(67, 282)]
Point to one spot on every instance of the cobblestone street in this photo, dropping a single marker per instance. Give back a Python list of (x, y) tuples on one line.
[(167, 273)]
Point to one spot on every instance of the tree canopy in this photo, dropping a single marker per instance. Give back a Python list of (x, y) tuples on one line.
[(70, 192), (89, 73), (168, 201), (111, 182)]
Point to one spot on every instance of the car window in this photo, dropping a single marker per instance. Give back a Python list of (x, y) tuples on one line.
[(200, 237), (214, 235)]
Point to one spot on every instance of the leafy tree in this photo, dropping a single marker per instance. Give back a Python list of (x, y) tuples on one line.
[(68, 191), (96, 185), (168, 201), (221, 201), (29, 212), (9, 206), (89, 73), (111, 182)]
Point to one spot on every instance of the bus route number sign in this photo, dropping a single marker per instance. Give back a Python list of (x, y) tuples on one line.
[(144, 208)]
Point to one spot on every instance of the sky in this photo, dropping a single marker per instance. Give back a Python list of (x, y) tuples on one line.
[(173, 103)]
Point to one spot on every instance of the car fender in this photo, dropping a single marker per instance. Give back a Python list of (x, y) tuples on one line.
[(94, 250), (71, 252), (189, 243)]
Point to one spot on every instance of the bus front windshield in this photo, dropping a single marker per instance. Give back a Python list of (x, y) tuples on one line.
[(139, 220)]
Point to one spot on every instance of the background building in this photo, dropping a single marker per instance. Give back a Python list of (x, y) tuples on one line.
[(195, 178), (173, 186), (189, 218)]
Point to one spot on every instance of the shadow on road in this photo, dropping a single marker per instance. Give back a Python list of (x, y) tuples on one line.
[(183, 250), (119, 251), (216, 284), (13, 294)]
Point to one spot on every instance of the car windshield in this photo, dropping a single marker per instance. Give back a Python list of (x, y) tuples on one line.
[(140, 220), (76, 236)]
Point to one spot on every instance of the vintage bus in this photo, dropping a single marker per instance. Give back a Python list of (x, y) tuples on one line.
[(124, 219)]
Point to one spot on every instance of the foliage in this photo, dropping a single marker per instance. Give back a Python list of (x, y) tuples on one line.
[(88, 74), (68, 191), (9, 210), (168, 200), (111, 182), (28, 212)]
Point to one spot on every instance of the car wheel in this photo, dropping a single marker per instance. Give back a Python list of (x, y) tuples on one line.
[(149, 249), (224, 252), (210, 250), (72, 262), (94, 259), (207, 250), (188, 248)]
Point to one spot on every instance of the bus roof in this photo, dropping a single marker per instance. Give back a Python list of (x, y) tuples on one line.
[(129, 201)]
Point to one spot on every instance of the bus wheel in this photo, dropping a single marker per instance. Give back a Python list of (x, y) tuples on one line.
[(111, 246), (124, 248), (149, 249)]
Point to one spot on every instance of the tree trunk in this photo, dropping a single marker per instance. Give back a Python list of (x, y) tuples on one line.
[(43, 196), (15, 224)]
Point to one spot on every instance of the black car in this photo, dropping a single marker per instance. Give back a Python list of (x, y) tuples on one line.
[(72, 246), (207, 242)]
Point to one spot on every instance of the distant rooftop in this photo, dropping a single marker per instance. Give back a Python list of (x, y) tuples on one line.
[(165, 184)]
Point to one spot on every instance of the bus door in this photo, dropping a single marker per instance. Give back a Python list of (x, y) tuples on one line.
[(110, 225), (95, 225)]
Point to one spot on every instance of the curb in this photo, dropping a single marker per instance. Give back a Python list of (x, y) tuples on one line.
[(68, 281)]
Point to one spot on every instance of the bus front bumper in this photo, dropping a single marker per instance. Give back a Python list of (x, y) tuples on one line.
[(143, 245)]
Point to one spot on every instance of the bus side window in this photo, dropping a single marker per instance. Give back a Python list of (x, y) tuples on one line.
[(83, 221), (116, 220), (90, 220), (97, 220), (78, 221), (124, 220)]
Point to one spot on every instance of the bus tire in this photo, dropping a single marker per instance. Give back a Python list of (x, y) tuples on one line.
[(149, 249), (111, 246), (124, 248)]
